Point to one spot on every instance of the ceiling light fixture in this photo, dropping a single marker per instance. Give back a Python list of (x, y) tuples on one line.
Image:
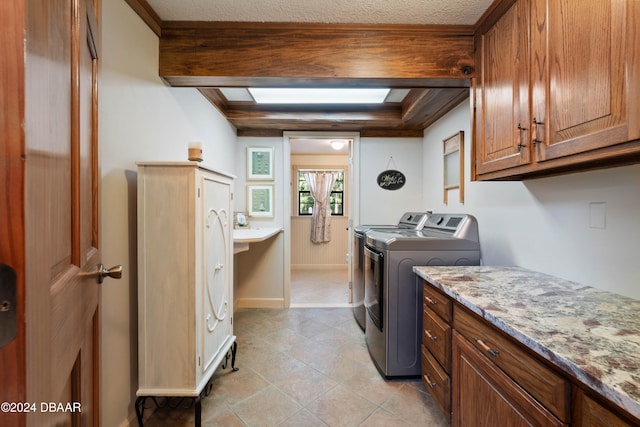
[(319, 95), (337, 144)]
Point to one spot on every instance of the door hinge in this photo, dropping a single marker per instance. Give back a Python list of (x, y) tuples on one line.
[(232, 195), (198, 192)]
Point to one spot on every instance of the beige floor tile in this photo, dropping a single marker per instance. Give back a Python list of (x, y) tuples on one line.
[(382, 418), (415, 406), (303, 418), (305, 367), (341, 407), (269, 407), (305, 385)]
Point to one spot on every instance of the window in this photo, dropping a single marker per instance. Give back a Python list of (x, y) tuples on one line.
[(306, 201)]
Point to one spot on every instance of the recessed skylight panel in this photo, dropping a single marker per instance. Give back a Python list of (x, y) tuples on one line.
[(318, 95)]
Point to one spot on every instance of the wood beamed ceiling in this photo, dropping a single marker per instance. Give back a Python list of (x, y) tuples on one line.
[(436, 64)]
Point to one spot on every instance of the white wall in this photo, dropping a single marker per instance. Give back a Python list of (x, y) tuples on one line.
[(544, 224), (378, 206), (259, 273), (140, 119)]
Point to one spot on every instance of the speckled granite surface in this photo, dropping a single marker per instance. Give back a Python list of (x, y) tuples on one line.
[(592, 334)]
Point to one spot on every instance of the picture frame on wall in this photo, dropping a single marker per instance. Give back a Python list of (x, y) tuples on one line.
[(259, 163), (260, 200)]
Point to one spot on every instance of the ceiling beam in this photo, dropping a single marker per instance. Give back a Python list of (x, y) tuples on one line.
[(215, 54), (147, 14)]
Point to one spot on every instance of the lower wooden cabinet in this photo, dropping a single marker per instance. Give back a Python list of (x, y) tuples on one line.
[(437, 381), (589, 413), (542, 383), (436, 347), (481, 377), (484, 396)]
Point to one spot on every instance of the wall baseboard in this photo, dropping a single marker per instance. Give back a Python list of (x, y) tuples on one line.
[(260, 303)]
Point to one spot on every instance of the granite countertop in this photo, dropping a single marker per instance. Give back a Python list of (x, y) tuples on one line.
[(591, 334)]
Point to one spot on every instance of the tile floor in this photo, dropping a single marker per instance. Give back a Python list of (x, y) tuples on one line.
[(305, 367), (319, 288)]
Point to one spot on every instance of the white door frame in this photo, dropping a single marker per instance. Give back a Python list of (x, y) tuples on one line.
[(353, 200)]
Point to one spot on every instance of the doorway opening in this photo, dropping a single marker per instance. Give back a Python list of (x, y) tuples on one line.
[(320, 273)]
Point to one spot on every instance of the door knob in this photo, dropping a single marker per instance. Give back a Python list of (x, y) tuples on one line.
[(102, 272)]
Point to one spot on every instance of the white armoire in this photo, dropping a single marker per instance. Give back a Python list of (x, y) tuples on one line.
[(185, 277)]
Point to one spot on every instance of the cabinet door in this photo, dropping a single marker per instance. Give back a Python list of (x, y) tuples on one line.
[(484, 396), (502, 92), (589, 413), (216, 306), (584, 75)]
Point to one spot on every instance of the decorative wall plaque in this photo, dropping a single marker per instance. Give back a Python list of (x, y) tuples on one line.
[(391, 179)]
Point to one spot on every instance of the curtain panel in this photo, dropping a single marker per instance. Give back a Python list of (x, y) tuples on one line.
[(320, 185)]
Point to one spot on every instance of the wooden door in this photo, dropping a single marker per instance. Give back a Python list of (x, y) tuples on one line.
[(51, 181), (585, 73), (502, 92)]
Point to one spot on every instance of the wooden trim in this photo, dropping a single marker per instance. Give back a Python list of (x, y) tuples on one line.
[(96, 358), (209, 54), (76, 207), (94, 43), (147, 14), (492, 14), (12, 188)]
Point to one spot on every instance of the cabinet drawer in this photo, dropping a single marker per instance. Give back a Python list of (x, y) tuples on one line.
[(438, 302), (436, 337), (437, 382), (548, 388)]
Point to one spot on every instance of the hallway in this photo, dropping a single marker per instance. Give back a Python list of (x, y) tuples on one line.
[(319, 288)]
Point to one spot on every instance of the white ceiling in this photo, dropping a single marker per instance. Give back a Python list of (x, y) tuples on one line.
[(317, 146), (453, 12)]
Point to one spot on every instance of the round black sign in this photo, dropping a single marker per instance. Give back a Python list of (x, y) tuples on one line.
[(391, 179)]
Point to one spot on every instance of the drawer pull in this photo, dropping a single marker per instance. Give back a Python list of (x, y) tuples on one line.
[(430, 301), (429, 382), (486, 348), (428, 334)]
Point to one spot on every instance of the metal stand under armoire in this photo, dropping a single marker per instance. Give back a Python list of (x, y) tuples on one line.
[(185, 402)]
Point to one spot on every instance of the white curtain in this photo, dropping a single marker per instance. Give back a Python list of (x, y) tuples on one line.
[(320, 184)]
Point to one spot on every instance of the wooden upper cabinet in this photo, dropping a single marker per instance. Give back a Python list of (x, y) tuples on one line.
[(567, 72), (502, 92), (582, 91)]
